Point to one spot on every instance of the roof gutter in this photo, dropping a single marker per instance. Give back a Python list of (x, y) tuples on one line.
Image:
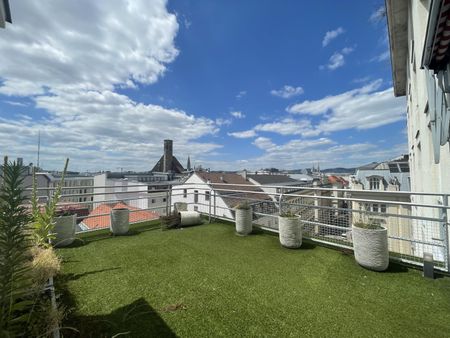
[(435, 8)]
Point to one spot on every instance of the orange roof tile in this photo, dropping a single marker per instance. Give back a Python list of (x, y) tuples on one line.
[(103, 221)]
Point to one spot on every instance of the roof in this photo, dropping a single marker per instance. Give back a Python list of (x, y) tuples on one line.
[(397, 19), (333, 179), (272, 179), (435, 52), (369, 166), (229, 197), (176, 165), (5, 13), (105, 220)]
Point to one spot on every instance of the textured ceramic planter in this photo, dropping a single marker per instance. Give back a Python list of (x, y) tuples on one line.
[(290, 232), (64, 230), (188, 218), (120, 221), (371, 248), (243, 221)]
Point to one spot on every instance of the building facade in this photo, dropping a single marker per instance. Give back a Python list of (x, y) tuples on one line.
[(419, 46), (393, 179)]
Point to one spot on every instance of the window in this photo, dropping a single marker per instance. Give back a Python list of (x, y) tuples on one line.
[(184, 193), (195, 208), (383, 208), (375, 207), (374, 183), (195, 196), (206, 195), (164, 199), (153, 200)]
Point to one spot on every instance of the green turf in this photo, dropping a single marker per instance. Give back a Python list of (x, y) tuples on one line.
[(232, 286)]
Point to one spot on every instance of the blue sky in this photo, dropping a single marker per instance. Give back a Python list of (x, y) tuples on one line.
[(235, 84)]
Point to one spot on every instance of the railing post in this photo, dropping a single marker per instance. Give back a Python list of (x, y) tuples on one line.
[(215, 214), (210, 197), (167, 203), (280, 204), (445, 224)]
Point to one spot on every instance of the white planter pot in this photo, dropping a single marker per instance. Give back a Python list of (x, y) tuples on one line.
[(120, 221), (189, 218), (243, 221), (290, 232), (371, 248), (64, 230)]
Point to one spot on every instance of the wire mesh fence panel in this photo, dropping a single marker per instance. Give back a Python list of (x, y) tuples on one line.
[(416, 226)]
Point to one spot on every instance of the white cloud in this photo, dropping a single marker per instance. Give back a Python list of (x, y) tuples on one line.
[(237, 114), (80, 53), (125, 131), (382, 57), (337, 60), (378, 14), (86, 45), (16, 103), (288, 126), (360, 108), (243, 134), (241, 94), (223, 122), (331, 35), (287, 92), (264, 143)]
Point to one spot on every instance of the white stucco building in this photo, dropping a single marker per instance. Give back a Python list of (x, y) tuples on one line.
[(133, 193), (202, 192), (419, 43)]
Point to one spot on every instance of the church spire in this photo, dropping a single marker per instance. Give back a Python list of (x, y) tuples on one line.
[(188, 165)]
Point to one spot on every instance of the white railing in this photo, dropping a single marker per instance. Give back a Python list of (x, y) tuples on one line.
[(414, 228)]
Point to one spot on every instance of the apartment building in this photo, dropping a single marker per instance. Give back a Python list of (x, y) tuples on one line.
[(420, 55)]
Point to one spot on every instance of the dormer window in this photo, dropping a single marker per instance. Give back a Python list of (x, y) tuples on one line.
[(374, 183)]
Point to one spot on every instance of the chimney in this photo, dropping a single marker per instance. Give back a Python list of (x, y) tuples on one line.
[(168, 155), (244, 174)]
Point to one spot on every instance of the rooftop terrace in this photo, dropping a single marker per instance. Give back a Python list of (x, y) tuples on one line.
[(206, 281)]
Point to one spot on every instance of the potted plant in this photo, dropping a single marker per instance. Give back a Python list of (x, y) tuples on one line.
[(243, 219), (290, 230), (370, 245), (64, 229), (120, 221), (45, 219)]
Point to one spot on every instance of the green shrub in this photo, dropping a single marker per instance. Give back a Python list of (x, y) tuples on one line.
[(243, 205), (371, 226), (288, 214), (43, 220), (15, 278)]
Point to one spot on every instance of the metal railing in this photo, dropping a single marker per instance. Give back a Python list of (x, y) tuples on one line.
[(417, 223)]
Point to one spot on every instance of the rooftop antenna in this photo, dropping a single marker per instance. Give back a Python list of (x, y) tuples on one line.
[(39, 147)]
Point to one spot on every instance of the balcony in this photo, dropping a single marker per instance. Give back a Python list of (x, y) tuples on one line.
[(205, 281)]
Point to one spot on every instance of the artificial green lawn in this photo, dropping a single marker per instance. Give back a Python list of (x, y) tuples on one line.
[(206, 282)]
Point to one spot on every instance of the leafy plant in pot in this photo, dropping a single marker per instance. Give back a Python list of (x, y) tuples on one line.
[(370, 244), (243, 219), (48, 227), (290, 230)]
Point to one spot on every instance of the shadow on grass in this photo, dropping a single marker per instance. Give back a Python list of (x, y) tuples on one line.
[(103, 234), (63, 279), (396, 268), (137, 319)]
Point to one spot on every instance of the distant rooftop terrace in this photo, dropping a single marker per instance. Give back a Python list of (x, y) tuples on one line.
[(205, 281)]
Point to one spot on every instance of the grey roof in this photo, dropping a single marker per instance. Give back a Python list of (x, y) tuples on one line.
[(271, 179), (176, 165), (369, 166)]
